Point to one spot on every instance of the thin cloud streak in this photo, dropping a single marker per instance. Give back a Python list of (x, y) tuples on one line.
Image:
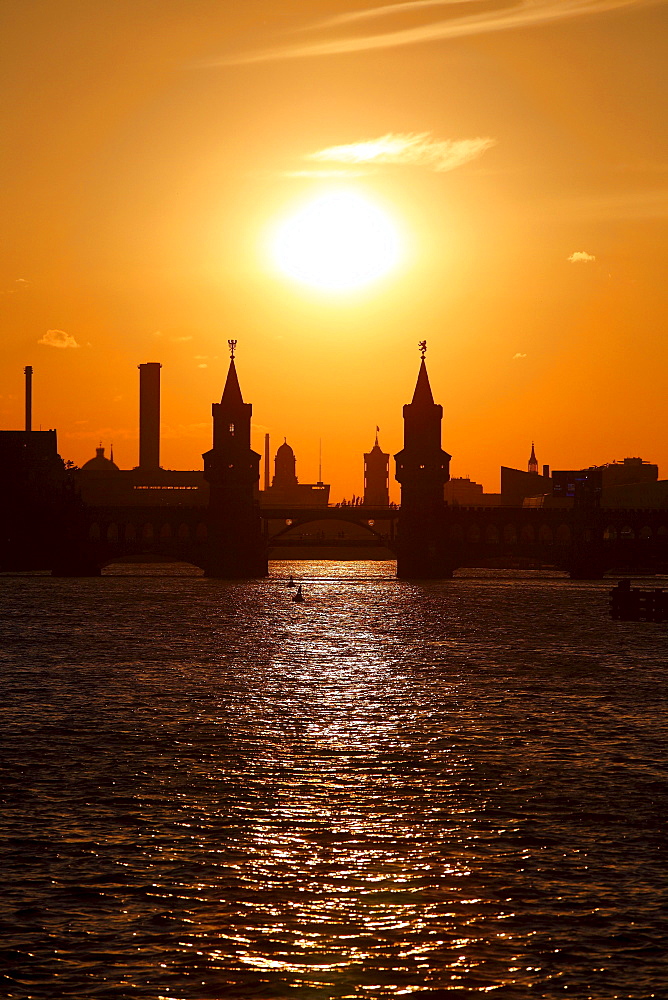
[(523, 14), (409, 149)]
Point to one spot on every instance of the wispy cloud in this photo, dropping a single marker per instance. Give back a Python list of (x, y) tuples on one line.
[(518, 356), (58, 338), (325, 174), (458, 22), (20, 285), (581, 257), (408, 148)]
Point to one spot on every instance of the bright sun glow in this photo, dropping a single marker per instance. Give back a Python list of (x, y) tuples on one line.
[(337, 242)]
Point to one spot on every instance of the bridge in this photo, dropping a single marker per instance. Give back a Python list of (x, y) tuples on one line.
[(585, 543)]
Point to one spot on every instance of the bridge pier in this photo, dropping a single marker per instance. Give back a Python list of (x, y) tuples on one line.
[(422, 549)]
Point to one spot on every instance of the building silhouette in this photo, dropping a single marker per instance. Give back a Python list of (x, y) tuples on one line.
[(286, 490), (463, 492), (422, 469), (232, 470), (377, 476)]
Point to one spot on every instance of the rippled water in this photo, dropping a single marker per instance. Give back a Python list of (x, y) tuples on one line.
[(209, 791)]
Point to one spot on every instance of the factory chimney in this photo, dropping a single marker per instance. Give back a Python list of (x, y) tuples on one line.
[(28, 374), (149, 415)]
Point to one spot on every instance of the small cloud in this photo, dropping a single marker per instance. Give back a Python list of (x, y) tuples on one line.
[(179, 340), (517, 356), (415, 149), (581, 256), (202, 366), (58, 338), (20, 285), (157, 333)]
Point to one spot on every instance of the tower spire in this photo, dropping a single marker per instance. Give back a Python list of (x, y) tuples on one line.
[(533, 461)]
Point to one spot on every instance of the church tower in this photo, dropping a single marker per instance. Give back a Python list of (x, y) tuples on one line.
[(533, 461), (232, 469), (376, 476), (423, 468)]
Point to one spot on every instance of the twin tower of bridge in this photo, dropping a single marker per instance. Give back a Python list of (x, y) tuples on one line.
[(237, 546)]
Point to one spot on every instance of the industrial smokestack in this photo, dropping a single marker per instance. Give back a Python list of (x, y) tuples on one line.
[(266, 461), (28, 374), (149, 415)]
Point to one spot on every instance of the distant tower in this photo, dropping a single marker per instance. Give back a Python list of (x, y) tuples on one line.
[(266, 461), (27, 371), (232, 469), (149, 415), (422, 469), (376, 476), (285, 465), (533, 461)]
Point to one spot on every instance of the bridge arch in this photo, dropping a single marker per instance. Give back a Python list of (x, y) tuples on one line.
[(564, 534), (292, 524), (510, 534), (474, 534), (527, 534)]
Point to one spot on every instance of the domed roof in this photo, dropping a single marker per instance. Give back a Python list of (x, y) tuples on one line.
[(284, 449), (99, 463)]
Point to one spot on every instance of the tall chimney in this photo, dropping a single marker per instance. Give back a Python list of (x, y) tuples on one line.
[(28, 374), (266, 461), (149, 415)]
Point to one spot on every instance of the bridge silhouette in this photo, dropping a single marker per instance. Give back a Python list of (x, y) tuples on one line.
[(583, 543)]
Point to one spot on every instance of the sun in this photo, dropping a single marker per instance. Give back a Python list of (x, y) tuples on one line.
[(339, 241)]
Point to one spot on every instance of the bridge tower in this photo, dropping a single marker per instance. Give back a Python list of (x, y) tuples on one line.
[(232, 469), (423, 468)]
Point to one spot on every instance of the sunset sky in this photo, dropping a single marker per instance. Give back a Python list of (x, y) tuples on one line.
[(518, 151)]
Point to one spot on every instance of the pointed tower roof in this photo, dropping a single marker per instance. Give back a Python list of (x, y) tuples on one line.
[(532, 457), (232, 391), (422, 394)]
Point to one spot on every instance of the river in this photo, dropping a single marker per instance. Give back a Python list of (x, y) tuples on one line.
[(450, 789)]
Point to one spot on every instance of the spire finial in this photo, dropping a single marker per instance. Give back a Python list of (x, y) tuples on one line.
[(423, 348), (231, 344)]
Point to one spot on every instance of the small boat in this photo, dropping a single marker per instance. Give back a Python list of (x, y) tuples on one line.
[(291, 582), (299, 597)]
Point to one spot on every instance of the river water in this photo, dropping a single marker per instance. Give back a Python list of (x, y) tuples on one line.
[(449, 789)]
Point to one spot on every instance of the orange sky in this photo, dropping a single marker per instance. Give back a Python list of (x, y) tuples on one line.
[(153, 144)]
